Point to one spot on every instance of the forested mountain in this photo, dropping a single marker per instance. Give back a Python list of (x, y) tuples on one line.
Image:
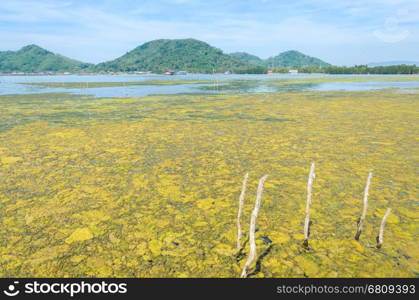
[(181, 54), (248, 58), (288, 59), (295, 59), (33, 58)]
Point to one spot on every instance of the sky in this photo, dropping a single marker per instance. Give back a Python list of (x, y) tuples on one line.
[(341, 32)]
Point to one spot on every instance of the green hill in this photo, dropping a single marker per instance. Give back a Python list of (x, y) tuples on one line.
[(285, 59), (248, 58), (156, 56), (33, 58), (296, 59), (179, 54)]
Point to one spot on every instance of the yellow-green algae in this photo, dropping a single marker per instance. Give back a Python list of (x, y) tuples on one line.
[(149, 187)]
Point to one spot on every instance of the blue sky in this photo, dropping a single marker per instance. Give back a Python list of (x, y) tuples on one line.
[(342, 32)]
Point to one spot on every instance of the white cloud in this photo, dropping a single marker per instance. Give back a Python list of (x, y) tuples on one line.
[(101, 32)]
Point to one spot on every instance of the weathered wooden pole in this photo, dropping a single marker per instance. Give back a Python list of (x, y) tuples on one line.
[(381, 233), (241, 201), (310, 181), (252, 229), (364, 208)]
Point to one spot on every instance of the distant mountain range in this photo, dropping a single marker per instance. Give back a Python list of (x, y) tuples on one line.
[(393, 63), (156, 56)]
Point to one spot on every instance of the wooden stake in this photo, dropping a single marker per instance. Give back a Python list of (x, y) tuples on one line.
[(241, 200), (310, 181), (381, 233), (365, 206), (252, 229)]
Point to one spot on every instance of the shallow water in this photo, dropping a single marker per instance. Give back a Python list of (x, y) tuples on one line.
[(365, 86), (219, 84), (12, 84)]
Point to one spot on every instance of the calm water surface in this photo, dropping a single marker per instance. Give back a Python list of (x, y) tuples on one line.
[(256, 84)]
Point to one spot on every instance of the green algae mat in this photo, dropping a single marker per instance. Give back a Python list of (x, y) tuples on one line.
[(149, 187)]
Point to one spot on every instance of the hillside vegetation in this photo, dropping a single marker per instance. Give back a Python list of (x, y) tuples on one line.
[(184, 54), (190, 55), (33, 58), (249, 58), (295, 59)]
